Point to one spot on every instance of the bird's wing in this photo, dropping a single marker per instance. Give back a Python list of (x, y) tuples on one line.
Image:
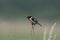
[(34, 19)]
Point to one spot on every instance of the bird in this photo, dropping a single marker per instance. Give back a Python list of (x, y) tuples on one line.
[(33, 20)]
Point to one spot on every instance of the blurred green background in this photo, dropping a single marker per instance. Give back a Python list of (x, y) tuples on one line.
[(45, 9), (14, 24)]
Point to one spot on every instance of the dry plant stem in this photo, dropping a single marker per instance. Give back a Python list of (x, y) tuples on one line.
[(33, 34), (45, 31), (51, 31)]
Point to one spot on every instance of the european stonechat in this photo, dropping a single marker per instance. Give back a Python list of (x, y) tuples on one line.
[(33, 20)]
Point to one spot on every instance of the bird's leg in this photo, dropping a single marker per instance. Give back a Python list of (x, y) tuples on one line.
[(33, 32), (32, 29)]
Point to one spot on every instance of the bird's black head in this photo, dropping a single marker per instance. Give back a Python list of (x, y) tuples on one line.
[(29, 17)]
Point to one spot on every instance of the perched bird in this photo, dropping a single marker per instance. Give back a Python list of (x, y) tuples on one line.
[(33, 20)]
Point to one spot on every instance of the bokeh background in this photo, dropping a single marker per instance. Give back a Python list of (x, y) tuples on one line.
[(14, 24)]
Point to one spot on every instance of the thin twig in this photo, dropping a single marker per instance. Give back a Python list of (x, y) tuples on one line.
[(45, 31)]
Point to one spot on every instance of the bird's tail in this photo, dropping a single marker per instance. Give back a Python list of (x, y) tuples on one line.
[(39, 24)]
